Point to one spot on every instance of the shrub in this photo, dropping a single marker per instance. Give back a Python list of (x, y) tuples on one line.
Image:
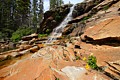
[(77, 57), (42, 35), (18, 34), (1, 35), (57, 78), (5, 34), (86, 18), (92, 62), (106, 7), (48, 31)]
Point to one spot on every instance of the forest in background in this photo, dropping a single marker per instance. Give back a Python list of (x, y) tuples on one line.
[(22, 17)]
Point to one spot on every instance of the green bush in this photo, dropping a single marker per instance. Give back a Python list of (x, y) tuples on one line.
[(56, 78), (77, 57), (48, 31), (42, 35), (18, 34), (86, 18), (92, 62), (1, 35), (6, 33), (106, 7)]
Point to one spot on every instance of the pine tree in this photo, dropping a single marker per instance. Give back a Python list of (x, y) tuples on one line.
[(41, 11), (22, 11), (61, 2), (55, 3), (37, 12), (13, 13), (34, 13), (6, 17)]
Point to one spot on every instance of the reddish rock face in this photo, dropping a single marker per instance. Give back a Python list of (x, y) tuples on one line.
[(103, 41), (105, 29), (30, 37), (44, 65), (49, 62), (40, 68)]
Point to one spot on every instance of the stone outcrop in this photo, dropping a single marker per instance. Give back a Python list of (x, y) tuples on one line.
[(53, 18), (52, 62), (113, 68), (67, 59), (29, 37), (106, 31), (105, 9), (7, 45), (103, 40), (29, 44), (85, 7)]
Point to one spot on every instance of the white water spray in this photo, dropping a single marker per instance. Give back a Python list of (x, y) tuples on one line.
[(57, 32)]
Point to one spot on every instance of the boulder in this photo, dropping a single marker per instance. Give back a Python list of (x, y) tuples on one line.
[(30, 37), (24, 47), (24, 52), (113, 68), (14, 54), (107, 29), (34, 49), (74, 73), (41, 45), (33, 41), (11, 45)]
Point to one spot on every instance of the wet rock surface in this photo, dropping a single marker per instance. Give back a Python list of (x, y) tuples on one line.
[(53, 18)]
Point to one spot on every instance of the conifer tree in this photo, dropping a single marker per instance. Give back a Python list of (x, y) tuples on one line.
[(13, 13), (37, 12), (41, 11), (55, 3), (22, 10), (34, 13)]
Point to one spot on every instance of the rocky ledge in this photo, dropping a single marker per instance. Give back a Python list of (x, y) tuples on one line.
[(67, 58)]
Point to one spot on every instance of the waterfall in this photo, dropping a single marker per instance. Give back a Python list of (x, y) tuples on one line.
[(57, 32)]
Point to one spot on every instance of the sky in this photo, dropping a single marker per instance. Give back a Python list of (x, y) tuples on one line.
[(46, 3)]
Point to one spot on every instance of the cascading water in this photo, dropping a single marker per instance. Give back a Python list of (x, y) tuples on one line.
[(57, 32)]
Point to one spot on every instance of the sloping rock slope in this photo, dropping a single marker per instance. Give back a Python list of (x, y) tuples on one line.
[(64, 60), (105, 9), (52, 62), (103, 40)]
